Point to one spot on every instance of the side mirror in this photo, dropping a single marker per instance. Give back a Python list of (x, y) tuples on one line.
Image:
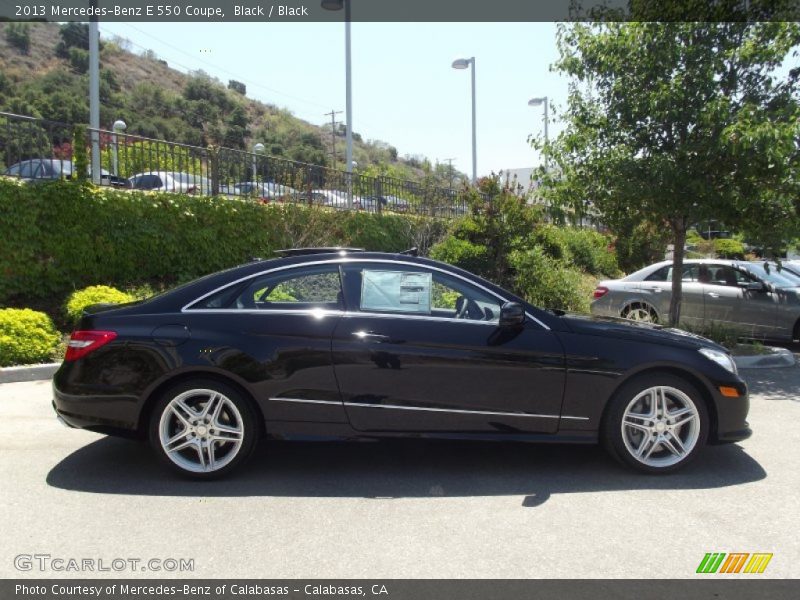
[(511, 315)]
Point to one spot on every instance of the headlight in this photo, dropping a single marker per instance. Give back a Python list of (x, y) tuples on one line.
[(723, 359)]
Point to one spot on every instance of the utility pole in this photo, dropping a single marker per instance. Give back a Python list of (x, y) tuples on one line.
[(450, 162), (332, 115)]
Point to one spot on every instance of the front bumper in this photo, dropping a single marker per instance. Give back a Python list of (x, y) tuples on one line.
[(731, 414)]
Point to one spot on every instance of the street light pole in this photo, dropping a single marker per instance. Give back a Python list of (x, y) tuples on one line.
[(536, 102), (348, 88), (257, 149), (339, 5), (464, 63), (118, 127), (94, 92)]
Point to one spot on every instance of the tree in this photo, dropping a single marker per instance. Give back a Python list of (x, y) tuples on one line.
[(674, 123), (73, 35), (237, 86)]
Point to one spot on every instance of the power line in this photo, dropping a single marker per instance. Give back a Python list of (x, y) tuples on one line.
[(217, 67)]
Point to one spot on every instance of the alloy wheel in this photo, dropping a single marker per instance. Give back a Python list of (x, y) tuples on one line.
[(660, 426), (201, 430), (640, 312)]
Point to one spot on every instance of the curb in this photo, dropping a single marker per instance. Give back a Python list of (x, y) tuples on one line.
[(28, 373), (779, 357)]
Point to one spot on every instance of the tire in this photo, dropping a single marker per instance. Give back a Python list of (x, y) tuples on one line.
[(640, 311), (635, 432), (201, 441)]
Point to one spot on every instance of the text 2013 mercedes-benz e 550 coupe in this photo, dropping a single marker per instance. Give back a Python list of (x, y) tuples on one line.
[(351, 344)]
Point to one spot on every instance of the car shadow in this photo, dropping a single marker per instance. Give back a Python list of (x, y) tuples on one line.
[(395, 469)]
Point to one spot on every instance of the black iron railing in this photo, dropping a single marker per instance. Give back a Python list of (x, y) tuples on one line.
[(36, 149)]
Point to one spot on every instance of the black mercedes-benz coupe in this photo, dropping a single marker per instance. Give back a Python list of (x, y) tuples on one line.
[(341, 343)]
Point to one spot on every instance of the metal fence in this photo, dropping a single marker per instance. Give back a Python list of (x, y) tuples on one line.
[(36, 149)]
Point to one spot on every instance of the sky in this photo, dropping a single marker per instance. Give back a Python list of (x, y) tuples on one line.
[(404, 89)]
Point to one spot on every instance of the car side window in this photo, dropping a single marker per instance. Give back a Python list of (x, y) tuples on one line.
[(662, 274), (728, 276), (412, 290), (26, 170), (293, 289)]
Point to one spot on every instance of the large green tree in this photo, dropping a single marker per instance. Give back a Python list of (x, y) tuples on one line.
[(674, 123)]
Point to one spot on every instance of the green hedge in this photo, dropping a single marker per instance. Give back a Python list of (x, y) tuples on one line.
[(96, 294), (61, 236), (26, 337)]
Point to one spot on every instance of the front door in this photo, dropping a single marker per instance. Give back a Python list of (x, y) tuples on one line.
[(731, 305), (419, 349)]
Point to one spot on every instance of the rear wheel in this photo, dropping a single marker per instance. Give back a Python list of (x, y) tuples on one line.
[(203, 428), (656, 423), (640, 311)]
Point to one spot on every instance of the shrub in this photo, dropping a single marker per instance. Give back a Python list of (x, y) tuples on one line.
[(552, 242), (26, 337), (96, 294), (590, 252), (729, 248), (462, 253), (19, 36), (61, 236), (547, 283)]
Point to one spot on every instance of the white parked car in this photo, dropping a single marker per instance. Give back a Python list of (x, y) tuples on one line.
[(171, 181)]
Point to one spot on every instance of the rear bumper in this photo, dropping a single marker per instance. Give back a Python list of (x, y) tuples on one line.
[(90, 407)]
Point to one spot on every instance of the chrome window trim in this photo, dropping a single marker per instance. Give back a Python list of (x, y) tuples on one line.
[(447, 410), (345, 260)]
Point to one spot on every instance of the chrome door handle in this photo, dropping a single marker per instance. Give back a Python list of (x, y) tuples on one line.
[(713, 294), (655, 289), (371, 337)]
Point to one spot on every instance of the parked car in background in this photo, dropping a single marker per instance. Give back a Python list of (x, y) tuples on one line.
[(171, 181), (336, 199), (792, 267), (48, 169), (266, 191), (336, 343), (744, 297), (373, 203)]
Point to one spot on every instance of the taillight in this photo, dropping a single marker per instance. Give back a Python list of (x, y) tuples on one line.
[(82, 343), (599, 292)]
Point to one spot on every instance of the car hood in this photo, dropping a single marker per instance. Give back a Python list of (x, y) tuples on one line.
[(641, 332)]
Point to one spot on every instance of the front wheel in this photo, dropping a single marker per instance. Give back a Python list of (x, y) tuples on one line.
[(203, 428), (656, 423)]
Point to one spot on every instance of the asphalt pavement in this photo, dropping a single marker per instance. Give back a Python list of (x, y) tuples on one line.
[(397, 509)]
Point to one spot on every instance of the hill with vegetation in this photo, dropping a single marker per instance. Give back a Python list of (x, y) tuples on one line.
[(44, 73)]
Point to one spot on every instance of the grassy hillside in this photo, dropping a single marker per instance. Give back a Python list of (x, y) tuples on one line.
[(43, 72)]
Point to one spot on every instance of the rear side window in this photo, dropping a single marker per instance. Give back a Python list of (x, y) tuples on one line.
[(690, 273), (662, 274), (300, 289)]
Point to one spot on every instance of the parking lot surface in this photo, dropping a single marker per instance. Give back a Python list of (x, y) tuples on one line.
[(399, 509)]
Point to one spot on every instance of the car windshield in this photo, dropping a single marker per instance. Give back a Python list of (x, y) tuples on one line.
[(770, 273)]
